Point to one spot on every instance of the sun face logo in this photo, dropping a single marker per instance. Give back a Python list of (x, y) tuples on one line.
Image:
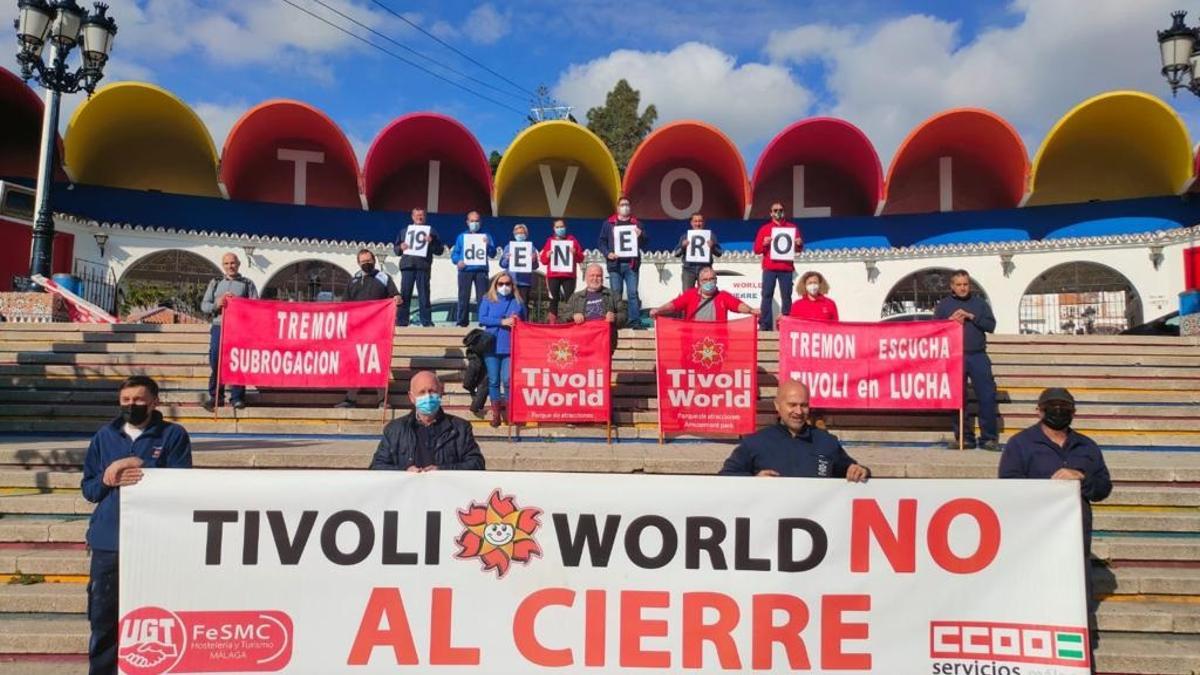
[(562, 353), (498, 533), (708, 353)]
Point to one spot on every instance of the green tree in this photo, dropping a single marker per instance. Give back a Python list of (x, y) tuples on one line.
[(618, 123), (494, 160)]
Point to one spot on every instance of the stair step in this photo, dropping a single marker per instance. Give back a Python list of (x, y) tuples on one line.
[(44, 598), (1149, 617), (1141, 654), (42, 530), (73, 562), (1185, 520), (63, 634), (1139, 548), (1124, 580), (58, 504)]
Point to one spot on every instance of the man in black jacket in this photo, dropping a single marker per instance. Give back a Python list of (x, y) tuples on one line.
[(369, 283), (427, 439), (415, 271), (975, 315)]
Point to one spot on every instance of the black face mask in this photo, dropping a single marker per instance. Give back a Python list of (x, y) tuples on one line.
[(135, 414), (368, 268), (1058, 418)]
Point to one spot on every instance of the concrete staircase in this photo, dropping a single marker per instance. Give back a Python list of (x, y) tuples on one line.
[(1138, 397)]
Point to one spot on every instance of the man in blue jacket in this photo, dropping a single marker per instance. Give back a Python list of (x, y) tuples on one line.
[(975, 315), (415, 272), (1051, 449), (793, 448), (623, 271), (138, 438), (472, 272)]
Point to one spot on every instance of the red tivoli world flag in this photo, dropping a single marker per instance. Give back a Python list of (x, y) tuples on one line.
[(561, 373), (707, 375)]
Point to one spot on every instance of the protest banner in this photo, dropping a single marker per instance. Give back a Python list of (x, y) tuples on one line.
[(562, 256), (698, 246), (520, 257), (78, 309), (269, 343), (417, 239), (561, 373), (707, 375), (910, 365), (379, 571)]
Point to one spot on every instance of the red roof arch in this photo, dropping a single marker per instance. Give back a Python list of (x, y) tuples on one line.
[(396, 173), (20, 135), (695, 146)]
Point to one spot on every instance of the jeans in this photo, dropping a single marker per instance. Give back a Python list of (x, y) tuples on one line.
[(769, 280), (102, 613), (625, 279), (236, 392), (689, 278), (466, 278), (560, 289), (978, 368), (419, 278), (498, 374)]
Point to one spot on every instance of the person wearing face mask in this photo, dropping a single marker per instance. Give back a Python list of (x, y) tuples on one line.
[(623, 271), (216, 296), (1051, 449), (369, 283), (427, 439), (691, 270), (705, 302), (775, 272), (498, 311), (471, 273), (793, 448), (415, 272), (137, 438), (524, 280), (813, 303), (560, 284)]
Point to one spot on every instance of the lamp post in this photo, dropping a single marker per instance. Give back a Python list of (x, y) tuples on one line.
[(63, 25), (1180, 60)]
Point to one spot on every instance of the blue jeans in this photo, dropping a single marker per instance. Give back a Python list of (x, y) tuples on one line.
[(625, 279), (419, 279), (102, 613), (498, 374), (236, 392), (769, 280), (466, 279), (977, 367)]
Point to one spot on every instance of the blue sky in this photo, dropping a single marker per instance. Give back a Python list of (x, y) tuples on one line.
[(750, 68)]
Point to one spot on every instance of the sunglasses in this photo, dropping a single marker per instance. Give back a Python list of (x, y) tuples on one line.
[(503, 285), (776, 210)]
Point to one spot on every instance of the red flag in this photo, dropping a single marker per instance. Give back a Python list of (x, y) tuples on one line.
[(911, 365), (707, 375), (307, 344), (561, 373)]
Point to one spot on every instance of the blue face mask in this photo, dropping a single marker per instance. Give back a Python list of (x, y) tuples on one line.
[(519, 237), (560, 231), (708, 286), (429, 404), (473, 225)]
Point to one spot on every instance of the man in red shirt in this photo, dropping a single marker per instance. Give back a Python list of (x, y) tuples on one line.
[(704, 302), (814, 302), (775, 272)]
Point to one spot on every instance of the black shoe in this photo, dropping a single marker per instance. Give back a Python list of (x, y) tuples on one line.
[(967, 445), (209, 405), (239, 405), (991, 446), (345, 404)]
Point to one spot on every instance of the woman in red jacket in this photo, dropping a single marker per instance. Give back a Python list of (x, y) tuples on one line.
[(561, 283), (813, 302)]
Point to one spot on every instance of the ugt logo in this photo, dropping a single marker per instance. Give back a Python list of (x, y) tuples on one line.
[(498, 533), (708, 353), (152, 641)]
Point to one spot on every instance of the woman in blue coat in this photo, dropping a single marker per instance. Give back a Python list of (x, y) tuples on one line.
[(498, 311)]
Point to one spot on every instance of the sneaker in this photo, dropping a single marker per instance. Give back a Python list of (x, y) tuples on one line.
[(991, 446), (239, 405), (345, 404)]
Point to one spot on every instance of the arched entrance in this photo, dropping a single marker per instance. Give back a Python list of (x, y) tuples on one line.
[(1080, 298), (170, 278), (308, 281), (914, 297)]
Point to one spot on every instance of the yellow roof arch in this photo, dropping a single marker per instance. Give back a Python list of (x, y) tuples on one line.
[(519, 188), (1117, 145), (139, 136)]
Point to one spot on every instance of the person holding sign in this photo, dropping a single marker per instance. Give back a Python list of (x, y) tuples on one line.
[(216, 296), (793, 448), (705, 302), (621, 242), (523, 263), (137, 438), (561, 255), (470, 254), (427, 439), (498, 311), (778, 241), (975, 315), (698, 246), (369, 283), (416, 246), (814, 303)]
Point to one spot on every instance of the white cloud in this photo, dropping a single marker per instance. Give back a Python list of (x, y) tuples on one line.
[(220, 118), (889, 78), (749, 102), (807, 42), (486, 25)]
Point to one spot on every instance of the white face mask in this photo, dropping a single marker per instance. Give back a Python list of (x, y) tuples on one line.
[(623, 210), (813, 289)]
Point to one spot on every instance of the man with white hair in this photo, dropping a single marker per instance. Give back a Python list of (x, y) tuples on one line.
[(216, 297), (427, 439)]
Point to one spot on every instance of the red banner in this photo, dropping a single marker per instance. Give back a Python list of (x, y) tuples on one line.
[(707, 375), (912, 365), (307, 344), (561, 373)]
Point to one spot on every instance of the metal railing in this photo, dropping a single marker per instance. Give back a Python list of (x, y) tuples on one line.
[(99, 284)]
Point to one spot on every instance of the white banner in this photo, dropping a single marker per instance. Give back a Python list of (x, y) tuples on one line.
[(324, 572), (520, 256), (417, 238), (697, 246)]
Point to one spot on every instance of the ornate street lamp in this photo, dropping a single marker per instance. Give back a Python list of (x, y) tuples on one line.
[(63, 25), (1181, 61)]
